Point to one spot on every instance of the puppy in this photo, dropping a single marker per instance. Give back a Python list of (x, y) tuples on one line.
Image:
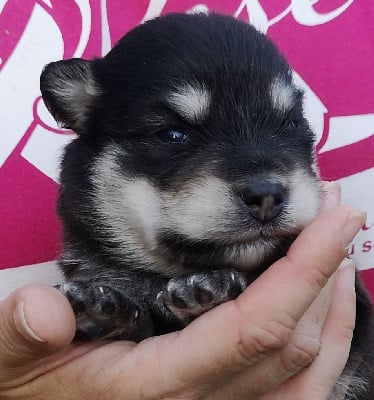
[(192, 172)]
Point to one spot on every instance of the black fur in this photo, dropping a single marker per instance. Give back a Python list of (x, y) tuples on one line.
[(149, 265)]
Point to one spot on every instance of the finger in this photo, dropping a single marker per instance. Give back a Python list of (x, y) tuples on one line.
[(36, 321), (236, 335), (318, 380), (331, 195), (336, 335), (302, 348)]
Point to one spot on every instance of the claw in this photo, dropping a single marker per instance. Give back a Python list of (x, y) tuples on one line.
[(136, 316)]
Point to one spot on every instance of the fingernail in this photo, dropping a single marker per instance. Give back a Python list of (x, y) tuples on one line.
[(347, 275), (331, 185), (22, 326), (347, 262), (352, 226)]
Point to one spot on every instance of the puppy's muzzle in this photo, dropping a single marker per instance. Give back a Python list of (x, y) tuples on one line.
[(265, 199)]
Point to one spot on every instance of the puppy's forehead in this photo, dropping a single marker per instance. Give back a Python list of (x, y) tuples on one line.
[(190, 100), (215, 67)]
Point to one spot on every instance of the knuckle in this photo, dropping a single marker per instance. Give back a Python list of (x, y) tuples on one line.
[(319, 277), (266, 339), (316, 278), (300, 352)]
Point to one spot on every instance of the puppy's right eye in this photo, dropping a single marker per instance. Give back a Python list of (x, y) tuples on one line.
[(173, 136)]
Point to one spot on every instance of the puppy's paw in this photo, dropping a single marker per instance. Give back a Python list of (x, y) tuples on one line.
[(188, 297), (103, 312)]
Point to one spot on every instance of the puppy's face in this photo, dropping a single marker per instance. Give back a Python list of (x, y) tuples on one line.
[(193, 151)]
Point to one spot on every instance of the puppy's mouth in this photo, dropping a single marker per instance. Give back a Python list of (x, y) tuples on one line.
[(252, 250), (254, 232), (274, 231)]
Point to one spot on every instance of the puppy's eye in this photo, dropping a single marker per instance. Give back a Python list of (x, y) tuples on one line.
[(292, 124), (173, 136)]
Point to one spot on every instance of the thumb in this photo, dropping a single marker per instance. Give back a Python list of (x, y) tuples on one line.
[(35, 321)]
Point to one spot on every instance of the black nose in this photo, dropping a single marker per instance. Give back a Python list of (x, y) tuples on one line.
[(264, 199)]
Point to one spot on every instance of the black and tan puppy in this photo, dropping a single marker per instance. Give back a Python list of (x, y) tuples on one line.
[(192, 172)]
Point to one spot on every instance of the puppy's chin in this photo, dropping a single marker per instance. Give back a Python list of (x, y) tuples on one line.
[(249, 253), (257, 255)]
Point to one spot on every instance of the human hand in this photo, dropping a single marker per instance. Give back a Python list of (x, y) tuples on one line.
[(244, 349)]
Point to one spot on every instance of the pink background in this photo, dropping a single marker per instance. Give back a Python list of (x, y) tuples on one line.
[(329, 44)]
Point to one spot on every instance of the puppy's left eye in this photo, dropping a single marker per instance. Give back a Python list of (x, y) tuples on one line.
[(173, 136), (292, 125)]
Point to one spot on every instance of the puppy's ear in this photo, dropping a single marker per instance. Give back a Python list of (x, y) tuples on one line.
[(68, 89)]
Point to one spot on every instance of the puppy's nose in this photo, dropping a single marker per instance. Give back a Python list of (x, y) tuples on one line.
[(264, 199)]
